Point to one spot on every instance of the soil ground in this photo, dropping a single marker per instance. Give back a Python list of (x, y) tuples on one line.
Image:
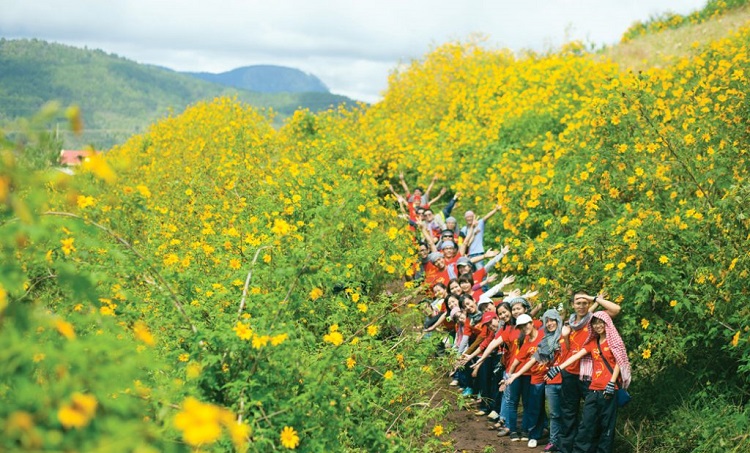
[(472, 434)]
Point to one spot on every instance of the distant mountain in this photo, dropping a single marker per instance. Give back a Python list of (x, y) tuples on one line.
[(266, 79), (119, 97)]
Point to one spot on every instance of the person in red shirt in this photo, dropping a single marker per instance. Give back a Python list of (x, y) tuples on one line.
[(528, 341), (576, 377), (610, 371), (550, 352), (435, 270)]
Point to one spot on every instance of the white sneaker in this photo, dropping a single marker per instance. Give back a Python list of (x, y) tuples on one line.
[(454, 382), (532, 443), (493, 415)]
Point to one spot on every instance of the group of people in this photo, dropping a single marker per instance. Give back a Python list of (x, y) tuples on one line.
[(564, 370)]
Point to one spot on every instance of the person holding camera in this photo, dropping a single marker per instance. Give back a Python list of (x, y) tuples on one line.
[(610, 370)]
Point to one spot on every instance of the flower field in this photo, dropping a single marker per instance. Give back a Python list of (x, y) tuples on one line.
[(215, 284)]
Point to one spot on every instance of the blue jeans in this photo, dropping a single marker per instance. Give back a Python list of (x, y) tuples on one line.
[(533, 405), (510, 402), (553, 393)]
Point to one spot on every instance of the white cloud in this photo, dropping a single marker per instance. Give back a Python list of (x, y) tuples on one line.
[(350, 45)]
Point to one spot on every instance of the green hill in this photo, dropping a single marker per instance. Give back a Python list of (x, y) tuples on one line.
[(118, 97)]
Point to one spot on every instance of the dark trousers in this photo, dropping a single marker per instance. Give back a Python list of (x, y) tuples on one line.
[(489, 383), (572, 391), (596, 431)]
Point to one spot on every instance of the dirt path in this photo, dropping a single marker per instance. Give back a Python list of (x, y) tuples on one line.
[(471, 434)]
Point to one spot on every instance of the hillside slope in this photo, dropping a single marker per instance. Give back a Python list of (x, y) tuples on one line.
[(118, 97), (665, 47)]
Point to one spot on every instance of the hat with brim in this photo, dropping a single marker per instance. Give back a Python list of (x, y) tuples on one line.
[(523, 320), (487, 317)]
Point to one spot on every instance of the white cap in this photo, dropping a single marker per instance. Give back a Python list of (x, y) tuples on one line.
[(523, 319)]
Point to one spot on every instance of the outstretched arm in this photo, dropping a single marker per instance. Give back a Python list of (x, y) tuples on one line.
[(526, 367), (428, 237), (403, 183), (467, 240), (451, 204), (491, 263), (429, 188), (492, 212), (439, 195)]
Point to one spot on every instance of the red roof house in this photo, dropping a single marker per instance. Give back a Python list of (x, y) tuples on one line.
[(72, 158)]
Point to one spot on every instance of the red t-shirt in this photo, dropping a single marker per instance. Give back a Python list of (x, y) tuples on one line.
[(539, 370), (510, 342), (527, 350), (472, 331), (489, 335), (448, 325), (600, 375), (576, 338), (434, 275), (452, 261)]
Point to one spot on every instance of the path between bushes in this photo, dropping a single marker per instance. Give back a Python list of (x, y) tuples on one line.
[(471, 434)]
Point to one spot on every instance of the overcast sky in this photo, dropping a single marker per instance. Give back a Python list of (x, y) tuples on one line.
[(351, 45)]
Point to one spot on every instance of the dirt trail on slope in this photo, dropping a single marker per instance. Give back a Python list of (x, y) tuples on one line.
[(471, 433)]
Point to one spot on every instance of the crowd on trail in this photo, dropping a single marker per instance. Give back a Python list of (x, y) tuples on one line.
[(570, 371)]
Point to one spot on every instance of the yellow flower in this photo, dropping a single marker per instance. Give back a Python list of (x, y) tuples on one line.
[(355, 297), (266, 258), (243, 331), (79, 412), (3, 299), (239, 432), (198, 422), (278, 339), (315, 293), (335, 338), (184, 357), (646, 353), (20, 421), (672, 303), (140, 329), (85, 202), (234, 263), (663, 259), (388, 374), (362, 308), (65, 328), (171, 259), (437, 430), (280, 227), (67, 245), (38, 357), (260, 341), (193, 370), (644, 323), (96, 164), (289, 438), (350, 362), (736, 339), (372, 330), (143, 190)]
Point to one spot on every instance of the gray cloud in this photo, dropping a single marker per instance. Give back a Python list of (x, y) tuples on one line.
[(350, 45)]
